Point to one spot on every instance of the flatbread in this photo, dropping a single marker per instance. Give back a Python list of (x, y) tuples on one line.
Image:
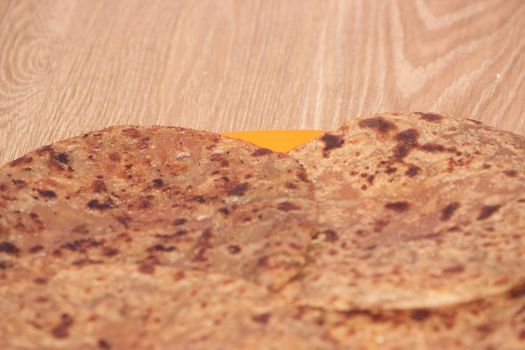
[(416, 210), (156, 196), (491, 323), (119, 307)]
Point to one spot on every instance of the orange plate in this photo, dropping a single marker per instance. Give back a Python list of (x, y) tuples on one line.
[(276, 140)]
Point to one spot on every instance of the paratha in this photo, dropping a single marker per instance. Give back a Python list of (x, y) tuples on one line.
[(491, 323), (109, 306), (416, 210), (156, 196)]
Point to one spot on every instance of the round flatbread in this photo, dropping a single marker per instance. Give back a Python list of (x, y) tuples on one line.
[(492, 323), (416, 210), (156, 196), (119, 307)]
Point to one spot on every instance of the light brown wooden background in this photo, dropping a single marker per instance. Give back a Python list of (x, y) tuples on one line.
[(76, 65)]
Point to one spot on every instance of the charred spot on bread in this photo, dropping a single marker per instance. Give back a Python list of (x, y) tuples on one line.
[(399, 206), (378, 124), (487, 211)]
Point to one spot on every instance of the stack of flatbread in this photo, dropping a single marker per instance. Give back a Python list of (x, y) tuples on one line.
[(397, 231)]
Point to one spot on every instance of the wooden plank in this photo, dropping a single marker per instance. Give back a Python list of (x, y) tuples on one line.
[(67, 67)]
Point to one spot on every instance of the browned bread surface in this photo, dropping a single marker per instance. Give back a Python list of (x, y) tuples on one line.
[(415, 210), (156, 196)]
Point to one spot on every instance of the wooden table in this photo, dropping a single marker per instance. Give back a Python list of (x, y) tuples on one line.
[(70, 66)]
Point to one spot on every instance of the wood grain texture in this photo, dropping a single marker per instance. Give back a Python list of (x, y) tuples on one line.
[(71, 66)]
